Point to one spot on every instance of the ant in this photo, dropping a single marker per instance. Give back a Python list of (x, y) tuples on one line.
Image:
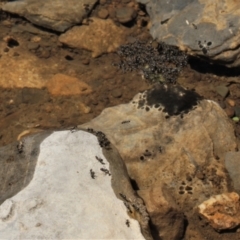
[(92, 173), (100, 160), (105, 171), (127, 223)]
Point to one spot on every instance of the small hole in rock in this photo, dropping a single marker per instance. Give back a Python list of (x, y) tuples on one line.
[(209, 43), (181, 192), (12, 43), (69, 58)]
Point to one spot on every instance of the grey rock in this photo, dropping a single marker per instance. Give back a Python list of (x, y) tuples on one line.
[(222, 90), (202, 28), (57, 15), (232, 163)]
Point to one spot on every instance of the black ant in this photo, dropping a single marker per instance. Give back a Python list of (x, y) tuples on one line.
[(92, 173)]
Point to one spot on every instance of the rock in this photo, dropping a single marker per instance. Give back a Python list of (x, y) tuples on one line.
[(222, 90), (61, 84), (202, 28), (159, 137), (125, 14), (103, 13), (33, 46), (67, 189), (55, 15), (17, 77), (232, 163), (222, 211), (100, 36), (235, 119), (231, 102), (116, 93)]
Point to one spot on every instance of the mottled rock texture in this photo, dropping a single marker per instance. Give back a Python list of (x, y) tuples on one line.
[(173, 144), (208, 29), (222, 211), (57, 15)]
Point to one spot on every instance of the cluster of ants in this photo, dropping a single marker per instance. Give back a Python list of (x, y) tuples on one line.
[(106, 171)]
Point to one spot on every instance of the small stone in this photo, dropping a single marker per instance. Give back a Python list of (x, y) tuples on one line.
[(16, 54), (237, 111), (231, 102), (125, 14), (103, 13), (221, 211), (141, 13), (235, 119), (229, 111), (33, 46), (222, 90), (116, 93), (85, 61)]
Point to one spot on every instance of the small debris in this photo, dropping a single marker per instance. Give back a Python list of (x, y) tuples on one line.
[(222, 90)]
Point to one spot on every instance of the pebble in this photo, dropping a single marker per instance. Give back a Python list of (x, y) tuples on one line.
[(229, 111), (117, 93), (125, 14), (33, 46), (103, 13), (231, 102), (235, 119), (85, 61), (222, 90), (237, 111)]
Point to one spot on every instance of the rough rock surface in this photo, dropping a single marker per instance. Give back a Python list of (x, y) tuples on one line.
[(209, 29), (222, 211), (56, 15), (61, 84), (173, 144), (68, 196), (100, 36)]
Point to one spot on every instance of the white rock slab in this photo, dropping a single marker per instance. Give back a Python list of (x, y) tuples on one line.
[(62, 201)]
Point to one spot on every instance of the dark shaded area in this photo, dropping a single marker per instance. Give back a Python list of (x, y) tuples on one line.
[(202, 66), (134, 185), (17, 168), (158, 62), (174, 99), (12, 43)]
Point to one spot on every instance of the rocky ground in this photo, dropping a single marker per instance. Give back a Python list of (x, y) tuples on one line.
[(49, 82)]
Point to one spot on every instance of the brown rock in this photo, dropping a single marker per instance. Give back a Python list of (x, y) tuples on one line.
[(30, 71), (103, 13), (100, 36), (117, 93), (62, 84), (231, 102), (222, 211), (162, 210), (161, 152), (125, 14)]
